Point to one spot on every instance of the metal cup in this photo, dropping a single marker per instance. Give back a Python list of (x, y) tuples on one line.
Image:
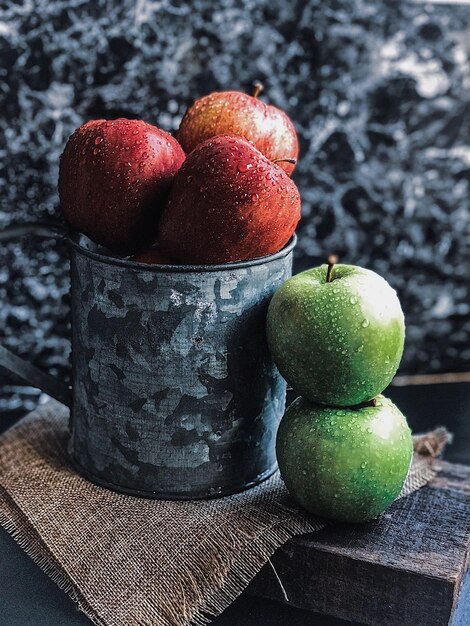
[(175, 394)]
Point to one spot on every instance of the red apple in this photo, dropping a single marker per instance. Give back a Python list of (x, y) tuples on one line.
[(228, 202), (237, 113), (152, 256), (114, 178)]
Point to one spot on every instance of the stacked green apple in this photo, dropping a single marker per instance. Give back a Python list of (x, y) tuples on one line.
[(336, 333)]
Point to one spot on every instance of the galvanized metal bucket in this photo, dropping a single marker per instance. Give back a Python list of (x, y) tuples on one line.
[(175, 394)]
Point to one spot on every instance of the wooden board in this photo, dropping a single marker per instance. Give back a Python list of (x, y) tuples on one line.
[(408, 568)]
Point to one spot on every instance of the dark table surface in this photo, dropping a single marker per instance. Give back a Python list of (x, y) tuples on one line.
[(29, 598)]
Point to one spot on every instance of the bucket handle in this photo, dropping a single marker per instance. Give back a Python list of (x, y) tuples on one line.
[(14, 364)]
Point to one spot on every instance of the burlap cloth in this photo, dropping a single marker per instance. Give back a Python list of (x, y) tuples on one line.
[(129, 561)]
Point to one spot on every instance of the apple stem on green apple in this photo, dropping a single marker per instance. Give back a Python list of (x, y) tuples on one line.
[(258, 88), (332, 260)]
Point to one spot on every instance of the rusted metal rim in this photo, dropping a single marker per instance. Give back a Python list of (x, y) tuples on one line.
[(160, 267)]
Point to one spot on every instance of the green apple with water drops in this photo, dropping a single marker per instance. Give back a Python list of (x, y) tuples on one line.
[(336, 333), (345, 464)]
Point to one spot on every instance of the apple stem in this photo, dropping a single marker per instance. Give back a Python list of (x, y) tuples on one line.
[(362, 405), (332, 260), (258, 89), (293, 161)]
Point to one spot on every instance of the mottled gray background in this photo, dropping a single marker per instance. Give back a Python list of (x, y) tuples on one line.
[(377, 90)]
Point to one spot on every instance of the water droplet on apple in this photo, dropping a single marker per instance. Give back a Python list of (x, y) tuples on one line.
[(98, 140), (254, 197), (244, 166), (95, 151), (202, 189), (353, 300), (365, 323)]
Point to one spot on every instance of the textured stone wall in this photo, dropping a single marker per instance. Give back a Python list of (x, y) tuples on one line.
[(377, 90)]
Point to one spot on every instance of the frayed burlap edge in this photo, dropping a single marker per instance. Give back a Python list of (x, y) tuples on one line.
[(13, 521), (222, 591), (247, 564)]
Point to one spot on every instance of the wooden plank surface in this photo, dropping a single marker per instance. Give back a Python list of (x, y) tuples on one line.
[(408, 568)]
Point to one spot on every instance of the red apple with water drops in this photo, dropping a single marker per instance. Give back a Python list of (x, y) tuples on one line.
[(228, 202), (114, 179), (237, 113)]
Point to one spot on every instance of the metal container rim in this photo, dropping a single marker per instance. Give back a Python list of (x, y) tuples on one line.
[(177, 269)]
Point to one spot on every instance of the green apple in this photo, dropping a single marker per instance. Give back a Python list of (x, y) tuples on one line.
[(344, 464), (336, 333)]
